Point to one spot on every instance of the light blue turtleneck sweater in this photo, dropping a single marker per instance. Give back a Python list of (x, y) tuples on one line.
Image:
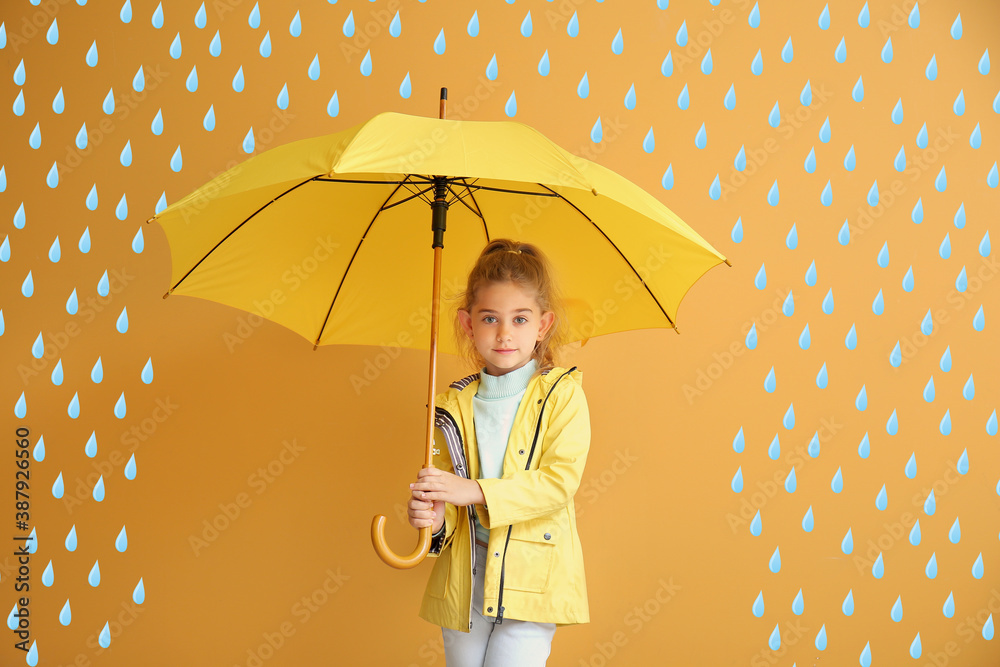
[(494, 407)]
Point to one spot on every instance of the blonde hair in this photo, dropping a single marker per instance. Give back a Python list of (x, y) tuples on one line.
[(523, 264)]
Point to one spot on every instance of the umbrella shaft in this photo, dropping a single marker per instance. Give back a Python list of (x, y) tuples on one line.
[(432, 375), (439, 213)]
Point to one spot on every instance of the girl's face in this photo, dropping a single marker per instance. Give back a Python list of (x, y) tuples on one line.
[(504, 323)]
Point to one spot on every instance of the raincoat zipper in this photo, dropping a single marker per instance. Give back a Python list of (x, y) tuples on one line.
[(463, 469), (531, 453)]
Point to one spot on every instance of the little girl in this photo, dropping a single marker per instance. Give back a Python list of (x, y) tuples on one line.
[(511, 446)]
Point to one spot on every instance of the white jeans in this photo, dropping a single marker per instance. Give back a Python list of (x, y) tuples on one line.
[(513, 642)]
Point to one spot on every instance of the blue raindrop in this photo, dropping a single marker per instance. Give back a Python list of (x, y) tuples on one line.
[(130, 468), (887, 51), (137, 241), (19, 104), (840, 54), (946, 359), (667, 66), (333, 106), (847, 544), (774, 118), (121, 542), (897, 112), (900, 162), (956, 27), (805, 97), (98, 492), (543, 64), (828, 302), (931, 568), (824, 18), (199, 17), (976, 138), (348, 27), (949, 606), (176, 48), (209, 121), (649, 143), (684, 99), (751, 338), (959, 106), (265, 45), (668, 178), (295, 27), (90, 449), (808, 521), (787, 51), (878, 567), (824, 131), (248, 141), (769, 381), (706, 63), (94, 578), (837, 483), (984, 63), (740, 161), (774, 449), (65, 615), (757, 66), (864, 447), (58, 106), (97, 372), (955, 533), (941, 182), (826, 197), (773, 194), (215, 47), (157, 125), (993, 178), (922, 137), (395, 26), (254, 19), (774, 564), (858, 92), (788, 421), (931, 71), (760, 280), (908, 280), (911, 466), (510, 107), (126, 12), (881, 501), (984, 245), (715, 190), (848, 605), (282, 100), (790, 481), (737, 484), (176, 160), (157, 19), (729, 102), (861, 400), (682, 34), (918, 212), (873, 194), (896, 613), (121, 211), (103, 285), (91, 202), (573, 27), (139, 593), (792, 239), (71, 539), (630, 98), (126, 155), (440, 43), (738, 441), (915, 533), (758, 603), (930, 504), (72, 303), (122, 323), (617, 44), (850, 160), (701, 138), (977, 571), (821, 378)]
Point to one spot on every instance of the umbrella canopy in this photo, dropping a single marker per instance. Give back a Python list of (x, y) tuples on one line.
[(328, 236)]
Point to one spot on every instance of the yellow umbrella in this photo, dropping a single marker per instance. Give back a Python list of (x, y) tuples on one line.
[(327, 236)]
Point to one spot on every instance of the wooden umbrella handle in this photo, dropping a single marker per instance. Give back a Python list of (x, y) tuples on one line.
[(388, 556)]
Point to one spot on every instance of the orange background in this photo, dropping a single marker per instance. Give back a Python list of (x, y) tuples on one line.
[(261, 462)]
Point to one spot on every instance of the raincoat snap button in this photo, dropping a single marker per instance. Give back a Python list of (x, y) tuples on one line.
[(490, 609), (496, 554), (521, 452), (548, 536)]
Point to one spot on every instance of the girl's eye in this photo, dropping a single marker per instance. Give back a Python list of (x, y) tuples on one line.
[(522, 319), (489, 319)]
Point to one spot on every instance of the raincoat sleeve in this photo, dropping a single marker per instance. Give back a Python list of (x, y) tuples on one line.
[(442, 460), (562, 451)]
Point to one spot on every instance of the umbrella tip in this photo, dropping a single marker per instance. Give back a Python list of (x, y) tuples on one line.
[(166, 295), (677, 330), (151, 219), (728, 263)]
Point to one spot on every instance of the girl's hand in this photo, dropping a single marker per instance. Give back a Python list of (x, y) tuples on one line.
[(423, 513), (435, 484)]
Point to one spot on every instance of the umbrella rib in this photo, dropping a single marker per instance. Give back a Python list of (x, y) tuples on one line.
[(233, 230), (460, 198), (516, 192), (598, 228), (347, 270)]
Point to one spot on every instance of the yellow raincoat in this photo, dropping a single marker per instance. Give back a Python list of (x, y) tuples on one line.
[(534, 563)]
